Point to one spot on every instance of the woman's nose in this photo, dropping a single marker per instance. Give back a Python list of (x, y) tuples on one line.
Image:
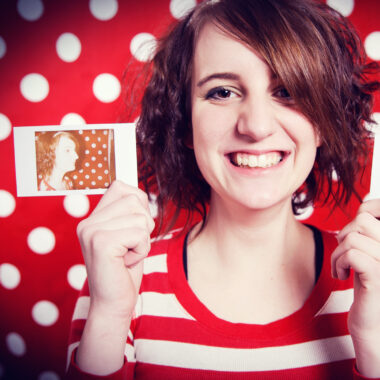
[(256, 119)]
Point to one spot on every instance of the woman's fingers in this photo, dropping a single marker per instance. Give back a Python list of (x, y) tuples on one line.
[(365, 222), (350, 246), (119, 190)]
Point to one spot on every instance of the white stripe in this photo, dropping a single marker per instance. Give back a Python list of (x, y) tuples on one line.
[(162, 305), (81, 308), (130, 353), (155, 263), (339, 301), (70, 350), (193, 356)]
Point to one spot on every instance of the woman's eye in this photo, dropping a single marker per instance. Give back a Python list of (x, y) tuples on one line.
[(219, 93), (282, 93)]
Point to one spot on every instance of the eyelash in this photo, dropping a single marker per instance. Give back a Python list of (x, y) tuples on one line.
[(284, 97), (216, 92)]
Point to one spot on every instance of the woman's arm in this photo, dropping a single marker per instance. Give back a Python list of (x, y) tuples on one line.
[(359, 250), (115, 239)]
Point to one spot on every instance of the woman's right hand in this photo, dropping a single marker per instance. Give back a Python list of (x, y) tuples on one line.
[(115, 239)]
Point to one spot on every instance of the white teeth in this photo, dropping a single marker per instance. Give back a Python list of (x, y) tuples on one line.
[(253, 161)]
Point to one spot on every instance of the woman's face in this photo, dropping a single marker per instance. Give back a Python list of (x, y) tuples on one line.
[(251, 144), (65, 154)]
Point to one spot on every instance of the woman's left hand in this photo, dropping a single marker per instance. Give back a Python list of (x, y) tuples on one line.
[(359, 250)]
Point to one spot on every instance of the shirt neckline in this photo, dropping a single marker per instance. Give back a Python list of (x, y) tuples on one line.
[(291, 324)]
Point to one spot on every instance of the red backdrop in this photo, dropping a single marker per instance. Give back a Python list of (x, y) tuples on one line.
[(62, 62)]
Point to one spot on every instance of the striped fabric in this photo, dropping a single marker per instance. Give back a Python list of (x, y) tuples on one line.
[(174, 336)]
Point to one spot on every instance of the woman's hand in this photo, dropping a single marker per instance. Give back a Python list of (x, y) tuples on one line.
[(359, 250), (115, 239)]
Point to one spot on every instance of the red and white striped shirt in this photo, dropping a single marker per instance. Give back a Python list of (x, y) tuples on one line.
[(174, 336)]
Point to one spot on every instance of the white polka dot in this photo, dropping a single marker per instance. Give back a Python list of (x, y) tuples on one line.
[(9, 276), (7, 203), (87, 138), (75, 176), (93, 131), (100, 177), (30, 10), (5, 127), (305, 213), (34, 87), (87, 151), (103, 9), (142, 46), (81, 183), (104, 146), (76, 205), (68, 47), (106, 171), (375, 126), (93, 158), (345, 7), (99, 138), (93, 171), (105, 132), (372, 45), (93, 145), (87, 176), (76, 276), (73, 119), (45, 313), (93, 183), (179, 8), (153, 207), (3, 47), (48, 375), (80, 132), (106, 88), (41, 240), (87, 164), (16, 344), (100, 152), (334, 175), (100, 165), (106, 184)]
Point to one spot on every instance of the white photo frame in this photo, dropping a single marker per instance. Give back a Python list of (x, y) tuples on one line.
[(375, 172), (116, 157)]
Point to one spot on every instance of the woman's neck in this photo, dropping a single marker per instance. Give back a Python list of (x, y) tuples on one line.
[(55, 179), (240, 236)]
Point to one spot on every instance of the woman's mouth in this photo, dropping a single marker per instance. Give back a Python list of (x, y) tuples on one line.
[(264, 160)]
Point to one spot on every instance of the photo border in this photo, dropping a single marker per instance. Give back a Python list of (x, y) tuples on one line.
[(25, 157)]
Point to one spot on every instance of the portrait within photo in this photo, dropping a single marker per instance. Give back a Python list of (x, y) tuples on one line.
[(68, 160)]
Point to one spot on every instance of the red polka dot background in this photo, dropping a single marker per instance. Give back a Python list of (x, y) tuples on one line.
[(62, 63)]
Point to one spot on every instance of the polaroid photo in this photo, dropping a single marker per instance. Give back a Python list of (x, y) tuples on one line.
[(59, 160), (375, 172)]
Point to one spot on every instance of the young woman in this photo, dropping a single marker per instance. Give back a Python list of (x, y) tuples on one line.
[(250, 104), (56, 156)]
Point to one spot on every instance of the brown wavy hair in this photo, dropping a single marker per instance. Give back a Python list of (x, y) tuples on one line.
[(46, 144), (317, 55)]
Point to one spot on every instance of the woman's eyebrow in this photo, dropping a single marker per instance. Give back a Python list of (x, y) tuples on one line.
[(230, 76)]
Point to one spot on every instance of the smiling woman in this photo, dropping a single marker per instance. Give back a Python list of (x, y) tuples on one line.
[(246, 107)]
